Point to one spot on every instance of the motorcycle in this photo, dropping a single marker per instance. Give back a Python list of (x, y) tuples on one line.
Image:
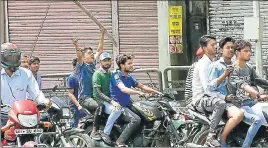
[(157, 128), (22, 126), (59, 133), (236, 138)]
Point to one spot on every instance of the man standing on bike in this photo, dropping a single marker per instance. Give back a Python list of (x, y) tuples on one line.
[(16, 81), (120, 89), (240, 82), (202, 101), (218, 73), (101, 93), (86, 67)]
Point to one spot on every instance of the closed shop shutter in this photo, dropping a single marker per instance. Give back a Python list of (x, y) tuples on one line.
[(138, 33), (45, 29), (226, 18)]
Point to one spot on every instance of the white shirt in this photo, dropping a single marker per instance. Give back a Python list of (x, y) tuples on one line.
[(200, 78), (15, 87)]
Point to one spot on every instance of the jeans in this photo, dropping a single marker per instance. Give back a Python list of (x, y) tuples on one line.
[(213, 105), (256, 123), (92, 106), (4, 119), (77, 115), (113, 116), (133, 123)]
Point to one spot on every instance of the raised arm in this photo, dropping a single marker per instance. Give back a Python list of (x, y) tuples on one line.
[(79, 53), (100, 47)]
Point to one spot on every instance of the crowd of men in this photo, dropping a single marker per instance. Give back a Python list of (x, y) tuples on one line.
[(97, 91), (216, 86), (222, 85), (102, 91)]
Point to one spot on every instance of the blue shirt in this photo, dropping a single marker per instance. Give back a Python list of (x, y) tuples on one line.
[(129, 81), (73, 83), (15, 87), (215, 70), (85, 78)]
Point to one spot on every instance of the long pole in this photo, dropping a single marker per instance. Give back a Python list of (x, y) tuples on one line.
[(258, 49), (95, 20)]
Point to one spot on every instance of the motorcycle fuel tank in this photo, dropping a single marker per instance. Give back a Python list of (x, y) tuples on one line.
[(148, 110), (261, 109)]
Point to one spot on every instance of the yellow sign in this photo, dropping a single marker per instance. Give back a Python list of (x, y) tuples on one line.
[(175, 29)]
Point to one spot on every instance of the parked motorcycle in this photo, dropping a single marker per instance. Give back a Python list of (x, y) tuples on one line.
[(157, 128), (59, 133), (22, 126)]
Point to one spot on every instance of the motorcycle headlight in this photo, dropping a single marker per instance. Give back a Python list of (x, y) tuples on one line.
[(28, 120)]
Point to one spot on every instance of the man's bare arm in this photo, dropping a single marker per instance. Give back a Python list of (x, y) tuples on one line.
[(72, 97), (147, 89), (126, 90), (79, 53), (100, 47)]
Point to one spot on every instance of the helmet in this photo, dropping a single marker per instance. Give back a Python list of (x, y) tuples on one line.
[(10, 56), (199, 52)]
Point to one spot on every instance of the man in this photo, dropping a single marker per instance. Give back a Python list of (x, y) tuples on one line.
[(24, 61), (188, 93), (240, 84), (120, 89), (218, 73), (101, 93), (34, 63), (16, 81), (73, 90), (201, 100), (86, 67)]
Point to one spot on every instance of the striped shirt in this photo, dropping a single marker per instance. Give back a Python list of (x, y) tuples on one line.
[(188, 93)]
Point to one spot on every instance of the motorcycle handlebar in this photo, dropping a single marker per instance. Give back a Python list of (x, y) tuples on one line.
[(5, 105)]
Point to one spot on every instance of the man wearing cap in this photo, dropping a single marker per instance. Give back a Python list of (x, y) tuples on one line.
[(16, 81), (101, 93)]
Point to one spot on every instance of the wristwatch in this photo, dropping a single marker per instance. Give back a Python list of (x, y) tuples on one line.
[(258, 96)]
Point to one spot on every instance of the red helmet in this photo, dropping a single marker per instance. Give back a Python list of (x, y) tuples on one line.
[(30, 144), (199, 52)]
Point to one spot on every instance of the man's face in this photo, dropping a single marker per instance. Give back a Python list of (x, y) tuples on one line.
[(228, 50), (106, 63), (89, 56), (35, 66), (24, 62), (128, 66), (244, 54), (211, 48)]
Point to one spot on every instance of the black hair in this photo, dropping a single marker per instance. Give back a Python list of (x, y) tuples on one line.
[(241, 44), (122, 59), (33, 59), (225, 40), (203, 41), (74, 62)]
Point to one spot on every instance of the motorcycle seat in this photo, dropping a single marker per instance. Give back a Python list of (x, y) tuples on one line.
[(204, 117)]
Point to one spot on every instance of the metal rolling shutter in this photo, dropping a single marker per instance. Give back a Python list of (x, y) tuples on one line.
[(226, 18), (64, 20), (138, 33)]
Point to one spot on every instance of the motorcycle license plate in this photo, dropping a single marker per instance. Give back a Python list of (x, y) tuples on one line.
[(28, 131)]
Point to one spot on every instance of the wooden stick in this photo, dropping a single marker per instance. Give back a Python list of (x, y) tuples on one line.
[(95, 20)]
